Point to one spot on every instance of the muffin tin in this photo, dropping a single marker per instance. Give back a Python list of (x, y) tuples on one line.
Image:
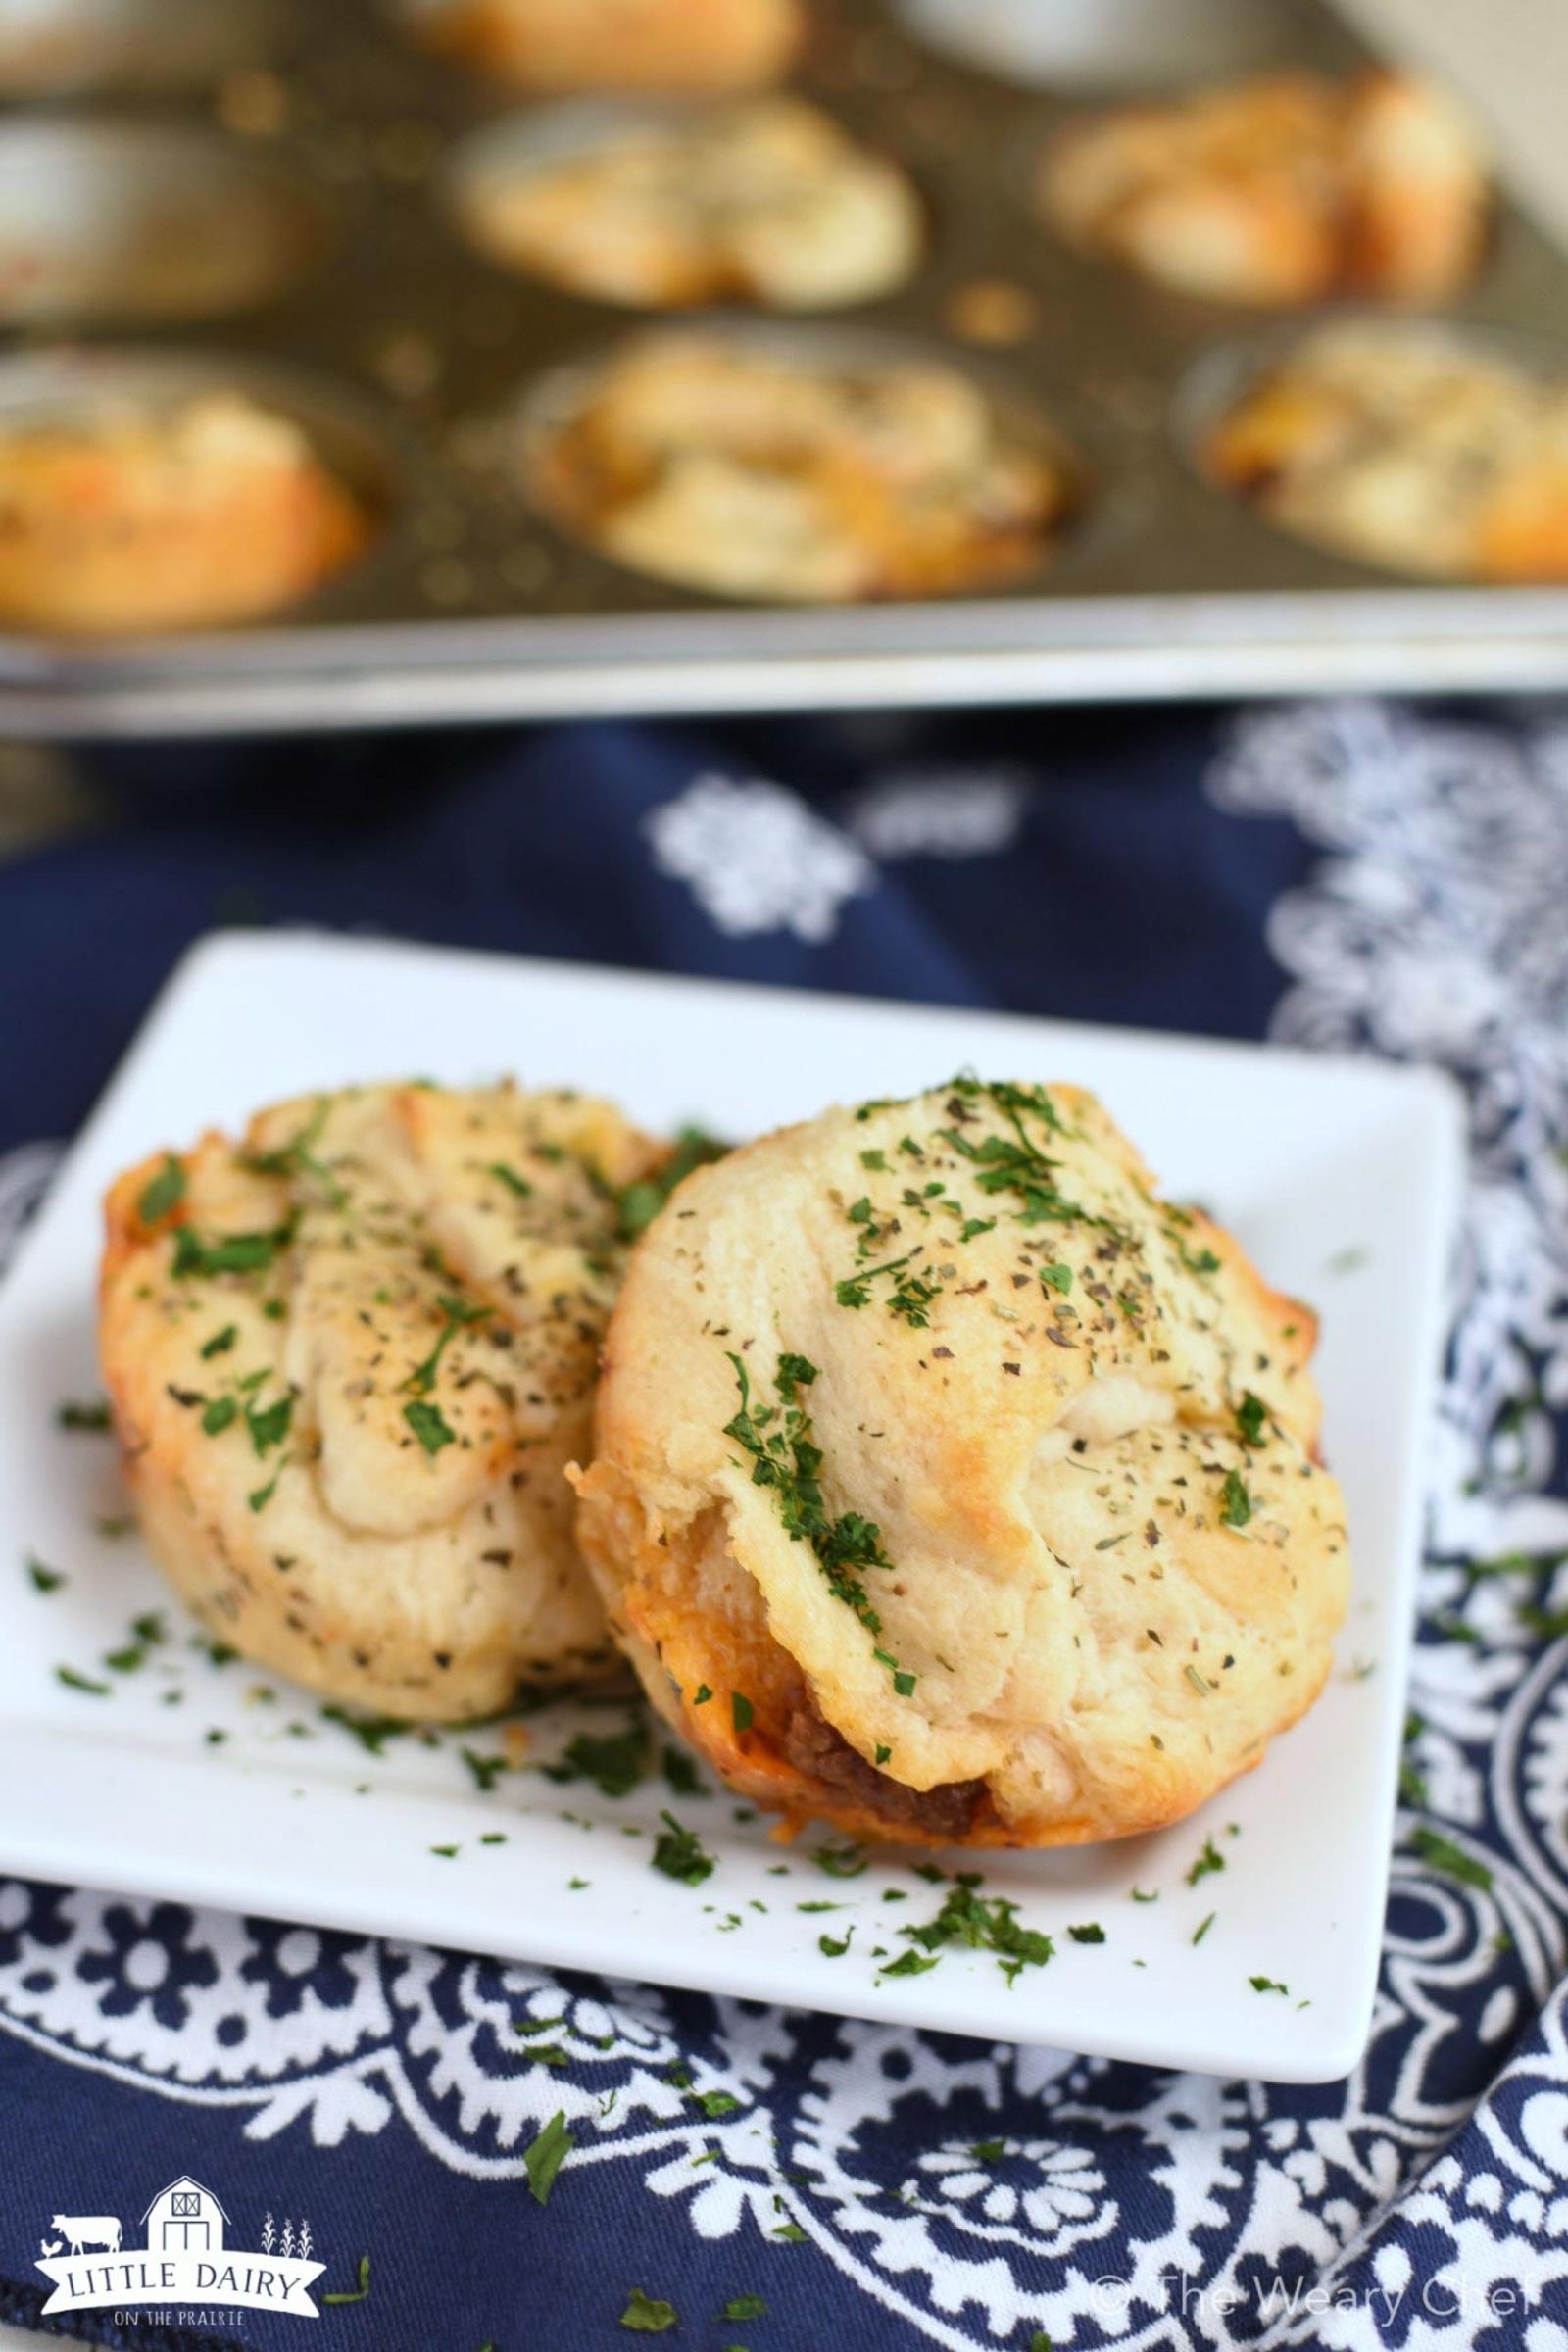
[(312, 153)]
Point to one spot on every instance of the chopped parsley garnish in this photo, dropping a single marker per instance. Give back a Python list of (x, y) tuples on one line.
[(787, 1458), (513, 1183), (1210, 1859), (910, 1964), (1235, 1505), (220, 1342), (232, 1254), (544, 2155), (647, 2315), (983, 1923), (486, 1770), (1197, 1261), (842, 1861), (359, 2293), (148, 1630), (44, 1579), (715, 2104), (701, 1696), (429, 1425), (1058, 1276), (614, 1763), (459, 1313), (80, 1682), (740, 1707), (1203, 1926), (1251, 1418), (910, 1297), (372, 1732), (679, 1854), (682, 1773), (834, 1948), (1267, 1984), (162, 1192), (91, 1415), (1089, 1932), (638, 1205), (297, 1157), (1442, 1855), (268, 1427), (1015, 1163)]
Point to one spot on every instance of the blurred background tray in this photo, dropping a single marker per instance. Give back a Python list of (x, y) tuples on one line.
[(326, 138)]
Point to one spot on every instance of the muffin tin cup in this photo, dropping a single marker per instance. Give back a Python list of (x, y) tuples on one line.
[(522, 435), (1125, 46), (65, 48), (474, 605), (361, 444), (122, 221), (1223, 377)]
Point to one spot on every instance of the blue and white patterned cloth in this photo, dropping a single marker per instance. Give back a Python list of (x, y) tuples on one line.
[(1348, 876)]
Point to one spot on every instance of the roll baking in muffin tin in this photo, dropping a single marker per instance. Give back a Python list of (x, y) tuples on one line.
[(278, 211)]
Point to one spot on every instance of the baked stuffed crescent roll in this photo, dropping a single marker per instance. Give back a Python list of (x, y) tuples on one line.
[(1286, 189), (348, 1361), (560, 45), (216, 513), (950, 1485)]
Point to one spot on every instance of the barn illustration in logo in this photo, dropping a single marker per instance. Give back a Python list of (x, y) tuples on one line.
[(182, 2217), (188, 2258)]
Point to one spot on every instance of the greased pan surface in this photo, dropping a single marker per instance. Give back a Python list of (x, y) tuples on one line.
[(321, 148)]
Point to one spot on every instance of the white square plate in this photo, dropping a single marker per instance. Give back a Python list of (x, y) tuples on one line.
[(1341, 1177)]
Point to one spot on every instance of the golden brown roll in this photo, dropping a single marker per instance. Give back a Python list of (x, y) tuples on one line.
[(755, 471), (1409, 447), (131, 520), (566, 45), (1285, 189), (348, 1359), (951, 1486), (766, 202)]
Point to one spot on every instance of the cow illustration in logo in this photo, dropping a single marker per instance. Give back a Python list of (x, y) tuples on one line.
[(188, 2257), (84, 2230)]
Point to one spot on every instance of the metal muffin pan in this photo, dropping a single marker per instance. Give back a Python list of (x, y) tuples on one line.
[(473, 605), (55, 48)]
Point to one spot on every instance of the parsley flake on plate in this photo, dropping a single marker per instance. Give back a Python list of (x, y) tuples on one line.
[(92, 1415), (1210, 1859), (679, 1853)]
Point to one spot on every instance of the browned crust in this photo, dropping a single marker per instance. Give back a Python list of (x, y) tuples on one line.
[(789, 1759)]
